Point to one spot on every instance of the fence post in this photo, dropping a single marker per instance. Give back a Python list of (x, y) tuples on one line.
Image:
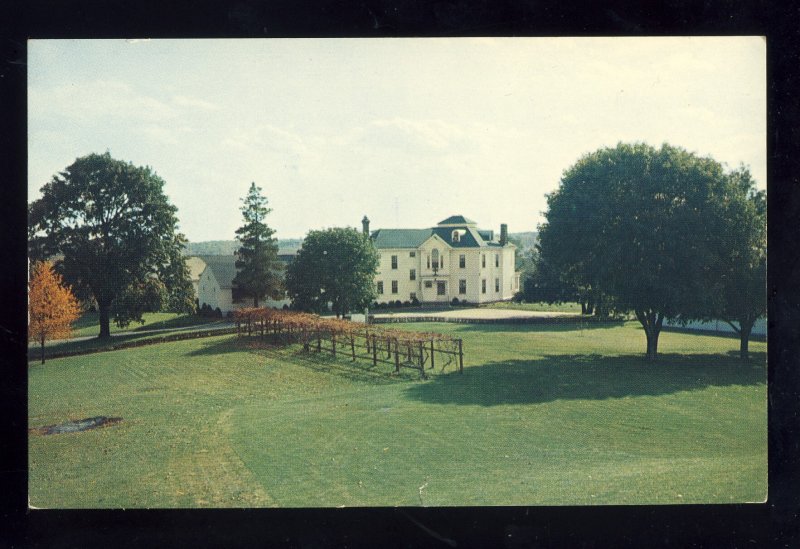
[(333, 340), (432, 354), (460, 358), (353, 346), (319, 341), (421, 362), (374, 352), (396, 355)]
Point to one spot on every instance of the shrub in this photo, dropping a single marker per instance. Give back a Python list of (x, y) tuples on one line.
[(218, 312), (398, 303), (415, 301), (455, 301), (407, 304)]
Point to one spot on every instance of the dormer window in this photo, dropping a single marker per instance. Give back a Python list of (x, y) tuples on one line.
[(457, 234)]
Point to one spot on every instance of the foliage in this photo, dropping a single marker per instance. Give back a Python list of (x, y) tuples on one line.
[(52, 307), (111, 224), (177, 279), (334, 265), (644, 229), (743, 280), (259, 270), (147, 296)]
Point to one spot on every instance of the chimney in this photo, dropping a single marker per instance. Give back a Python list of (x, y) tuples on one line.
[(503, 234), (365, 226)]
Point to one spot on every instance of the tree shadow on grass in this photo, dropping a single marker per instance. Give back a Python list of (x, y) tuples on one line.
[(548, 325), (587, 377)]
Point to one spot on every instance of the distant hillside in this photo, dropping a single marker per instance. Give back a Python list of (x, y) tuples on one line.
[(227, 247), (525, 239)]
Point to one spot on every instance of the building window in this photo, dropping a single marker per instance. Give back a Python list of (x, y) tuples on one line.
[(483, 261), (394, 262), (412, 254), (429, 284), (380, 286), (413, 296), (441, 287), (496, 284), (412, 274), (462, 261), (483, 286), (462, 286), (496, 260), (456, 237), (394, 286), (429, 261), (435, 259)]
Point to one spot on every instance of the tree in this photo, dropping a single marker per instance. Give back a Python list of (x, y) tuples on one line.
[(52, 307), (259, 272), (177, 279), (334, 265), (111, 223), (743, 280), (645, 228)]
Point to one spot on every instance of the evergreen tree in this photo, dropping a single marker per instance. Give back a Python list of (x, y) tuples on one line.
[(259, 270)]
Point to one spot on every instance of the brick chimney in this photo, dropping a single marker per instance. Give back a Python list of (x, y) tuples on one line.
[(365, 226), (503, 234)]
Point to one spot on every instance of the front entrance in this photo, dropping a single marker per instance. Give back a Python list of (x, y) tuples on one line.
[(441, 288)]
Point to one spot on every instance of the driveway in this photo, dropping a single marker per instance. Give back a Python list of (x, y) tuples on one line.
[(479, 313)]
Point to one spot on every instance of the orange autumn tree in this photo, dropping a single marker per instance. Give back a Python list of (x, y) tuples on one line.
[(52, 307)]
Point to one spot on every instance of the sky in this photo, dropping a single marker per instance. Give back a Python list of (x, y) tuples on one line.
[(405, 131)]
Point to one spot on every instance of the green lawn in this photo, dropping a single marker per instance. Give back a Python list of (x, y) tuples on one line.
[(89, 323), (548, 307), (541, 415)]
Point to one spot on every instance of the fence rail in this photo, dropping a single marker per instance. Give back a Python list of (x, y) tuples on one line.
[(399, 348)]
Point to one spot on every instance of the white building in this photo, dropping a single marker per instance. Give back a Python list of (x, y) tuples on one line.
[(454, 259), (215, 286)]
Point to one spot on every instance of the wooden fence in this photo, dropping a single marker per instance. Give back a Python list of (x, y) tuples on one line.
[(398, 348)]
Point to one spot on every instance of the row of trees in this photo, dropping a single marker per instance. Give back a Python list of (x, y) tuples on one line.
[(112, 234), (661, 233), (335, 266)]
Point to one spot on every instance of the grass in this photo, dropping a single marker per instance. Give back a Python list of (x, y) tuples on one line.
[(89, 323), (547, 307), (539, 416)]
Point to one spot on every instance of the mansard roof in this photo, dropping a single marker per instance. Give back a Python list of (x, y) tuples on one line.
[(456, 220)]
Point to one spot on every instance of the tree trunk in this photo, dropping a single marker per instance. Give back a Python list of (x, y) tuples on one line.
[(42, 349), (651, 321), (583, 307), (105, 323), (746, 327), (255, 301)]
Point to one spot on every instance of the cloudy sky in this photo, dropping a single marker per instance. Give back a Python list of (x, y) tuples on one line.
[(406, 131)]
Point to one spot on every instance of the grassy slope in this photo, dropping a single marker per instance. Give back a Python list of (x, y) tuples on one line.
[(559, 416), (89, 323)]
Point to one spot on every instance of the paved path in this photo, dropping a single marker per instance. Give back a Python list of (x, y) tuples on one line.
[(479, 313)]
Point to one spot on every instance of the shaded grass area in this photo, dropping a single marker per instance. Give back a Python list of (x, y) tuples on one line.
[(539, 416), (72, 347), (89, 323)]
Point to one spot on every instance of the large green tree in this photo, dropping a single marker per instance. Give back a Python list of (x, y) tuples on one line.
[(111, 227), (335, 266), (646, 228), (743, 274), (259, 269)]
